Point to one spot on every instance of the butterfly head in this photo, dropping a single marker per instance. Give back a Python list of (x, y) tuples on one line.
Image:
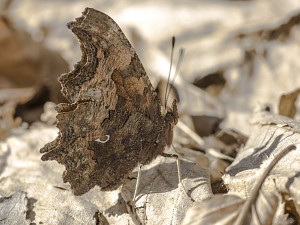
[(171, 115)]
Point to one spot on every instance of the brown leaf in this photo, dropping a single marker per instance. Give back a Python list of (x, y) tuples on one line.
[(287, 103), (37, 65), (27, 63)]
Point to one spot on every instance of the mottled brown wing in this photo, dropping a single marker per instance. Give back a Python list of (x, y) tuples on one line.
[(114, 117)]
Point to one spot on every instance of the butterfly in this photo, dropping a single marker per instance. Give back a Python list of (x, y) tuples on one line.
[(114, 119)]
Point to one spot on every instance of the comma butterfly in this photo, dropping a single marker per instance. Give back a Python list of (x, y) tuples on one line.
[(114, 120)]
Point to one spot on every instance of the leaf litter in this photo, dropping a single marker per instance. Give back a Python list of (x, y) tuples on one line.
[(257, 56)]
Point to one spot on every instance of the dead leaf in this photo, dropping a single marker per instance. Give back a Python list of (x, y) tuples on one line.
[(22, 169), (224, 210), (13, 209), (213, 83), (37, 67), (159, 181), (220, 209), (287, 104), (270, 135), (258, 208)]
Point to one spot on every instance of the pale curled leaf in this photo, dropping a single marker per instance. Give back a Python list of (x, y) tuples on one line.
[(221, 209), (265, 141), (258, 208), (269, 209), (271, 136), (224, 210), (256, 189)]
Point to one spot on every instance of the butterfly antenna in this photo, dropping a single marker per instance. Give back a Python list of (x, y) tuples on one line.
[(171, 62), (180, 59)]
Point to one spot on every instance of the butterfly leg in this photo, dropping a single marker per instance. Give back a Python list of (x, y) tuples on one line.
[(137, 182), (178, 171), (130, 205)]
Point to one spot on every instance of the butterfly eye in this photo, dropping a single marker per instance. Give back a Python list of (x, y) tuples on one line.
[(103, 141), (169, 117)]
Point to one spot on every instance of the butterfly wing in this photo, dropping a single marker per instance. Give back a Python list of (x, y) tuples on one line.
[(113, 120)]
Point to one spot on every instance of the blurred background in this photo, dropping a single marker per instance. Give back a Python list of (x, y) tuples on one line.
[(239, 55)]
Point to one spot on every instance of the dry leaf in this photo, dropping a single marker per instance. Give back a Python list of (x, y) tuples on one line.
[(37, 67), (22, 169), (224, 209), (287, 104), (213, 83), (14, 209), (220, 209), (268, 208), (258, 208), (160, 181), (250, 71), (270, 135)]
